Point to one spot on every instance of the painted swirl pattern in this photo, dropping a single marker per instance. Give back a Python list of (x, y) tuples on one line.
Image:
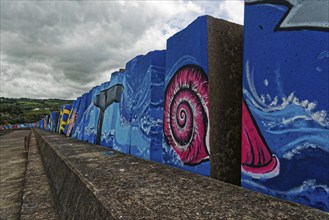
[(186, 125)]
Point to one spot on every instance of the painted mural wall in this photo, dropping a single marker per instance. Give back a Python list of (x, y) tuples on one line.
[(112, 113), (63, 119), (157, 108), (90, 117), (77, 131), (186, 104), (72, 117), (53, 119), (109, 94), (285, 140), (19, 126), (139, 125)]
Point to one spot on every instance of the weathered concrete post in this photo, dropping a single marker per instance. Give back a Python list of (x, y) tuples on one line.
[(225, 46)]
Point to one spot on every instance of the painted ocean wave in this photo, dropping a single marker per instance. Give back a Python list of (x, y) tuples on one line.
[(298, 134), (108, 137), (298, 151), (287, 108), (308, 193), (289, 111)]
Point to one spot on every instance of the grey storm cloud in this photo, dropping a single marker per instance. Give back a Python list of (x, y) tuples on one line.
[(61, 49)]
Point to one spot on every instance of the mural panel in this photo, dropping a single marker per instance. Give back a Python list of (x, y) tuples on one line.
[(142, 99), (53, 121), (90, 117), (73, 117), (103, 100), (78, 129), (186, 114), (111, 114), (285, 148), (63, 117)]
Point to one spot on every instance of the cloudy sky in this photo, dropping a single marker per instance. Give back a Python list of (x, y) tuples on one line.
[(61, 49)]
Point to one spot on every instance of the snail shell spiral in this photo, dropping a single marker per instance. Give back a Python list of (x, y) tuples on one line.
[(186, 114)]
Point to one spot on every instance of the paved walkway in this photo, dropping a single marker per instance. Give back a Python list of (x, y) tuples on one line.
[(13, 157), (38, 202)]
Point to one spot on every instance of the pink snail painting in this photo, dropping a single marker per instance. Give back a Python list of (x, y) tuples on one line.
[(186, 115)]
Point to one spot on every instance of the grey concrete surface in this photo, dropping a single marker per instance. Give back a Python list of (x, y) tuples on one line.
[(225, 46), (93, 182), (12, 171), (38, 201), (3, 132)]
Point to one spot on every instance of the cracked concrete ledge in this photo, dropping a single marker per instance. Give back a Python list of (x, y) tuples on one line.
[(94, 182)]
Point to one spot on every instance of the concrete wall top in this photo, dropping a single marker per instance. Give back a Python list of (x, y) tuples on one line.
[(94, 182)]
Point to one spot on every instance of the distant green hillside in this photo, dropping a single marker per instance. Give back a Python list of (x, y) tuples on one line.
[(25, 110)]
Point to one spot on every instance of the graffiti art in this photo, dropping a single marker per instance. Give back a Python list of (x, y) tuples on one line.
[(256, 157), (64, 117), (285, 146), (186, 117)]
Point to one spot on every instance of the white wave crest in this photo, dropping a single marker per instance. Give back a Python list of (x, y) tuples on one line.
[(298, 150), (259, 101)]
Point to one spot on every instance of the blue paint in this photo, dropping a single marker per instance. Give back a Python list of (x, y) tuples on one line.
[(111, 115), (78, 128), (286, 78), (187, 47), (138, 132), (53, 121), (84, 126), (91, 117)]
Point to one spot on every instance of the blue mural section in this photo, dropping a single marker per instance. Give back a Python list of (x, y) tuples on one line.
[(90, 118), (53, 121), (157, 108), (285, 87), (139, 130), (20, 126), (85, 130), (185, 91), (78, 129), (111, 114)]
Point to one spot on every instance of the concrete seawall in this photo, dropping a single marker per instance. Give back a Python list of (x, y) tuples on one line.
[(94, 182), (38, 201)]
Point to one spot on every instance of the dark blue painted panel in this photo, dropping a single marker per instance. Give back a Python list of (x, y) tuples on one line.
[(91, 116), (137, 131), (53, 121), (79, 126), (111, 114), (186, 127), (286, 90)]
